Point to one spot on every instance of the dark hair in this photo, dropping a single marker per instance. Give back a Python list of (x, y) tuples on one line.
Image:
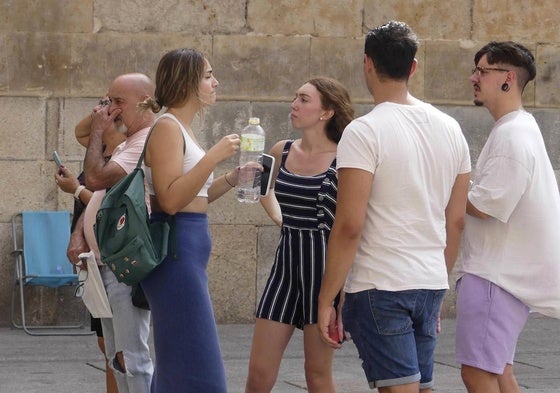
[(512, 54), (177, 78), (392, 48), (334, 96)]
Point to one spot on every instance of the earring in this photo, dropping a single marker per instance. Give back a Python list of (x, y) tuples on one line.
[(321, 118), (505, 87)]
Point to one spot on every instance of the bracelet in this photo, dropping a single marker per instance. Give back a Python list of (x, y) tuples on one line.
[(227, 181), (78, 191)]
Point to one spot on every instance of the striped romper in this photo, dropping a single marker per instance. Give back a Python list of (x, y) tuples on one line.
[(308, 206)]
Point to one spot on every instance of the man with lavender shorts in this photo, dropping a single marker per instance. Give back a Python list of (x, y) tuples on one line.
[(511, 253)]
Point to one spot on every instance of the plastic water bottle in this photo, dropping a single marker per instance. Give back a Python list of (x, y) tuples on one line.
[(252, 146)]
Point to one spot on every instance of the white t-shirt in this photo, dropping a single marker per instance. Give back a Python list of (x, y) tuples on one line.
[(518, 247), (126, 155), (416, 153)]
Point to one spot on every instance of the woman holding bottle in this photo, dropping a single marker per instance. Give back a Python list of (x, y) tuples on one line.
[(180, 180)]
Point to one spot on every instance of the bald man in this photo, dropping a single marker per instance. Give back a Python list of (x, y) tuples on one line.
[(126, 334)]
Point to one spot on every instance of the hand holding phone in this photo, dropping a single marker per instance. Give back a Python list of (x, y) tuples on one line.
[(266, 175), (57, 159)]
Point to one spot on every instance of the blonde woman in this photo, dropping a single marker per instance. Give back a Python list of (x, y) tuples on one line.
[(181, 184)]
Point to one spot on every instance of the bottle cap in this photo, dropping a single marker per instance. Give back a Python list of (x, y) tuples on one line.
[(254, 120)]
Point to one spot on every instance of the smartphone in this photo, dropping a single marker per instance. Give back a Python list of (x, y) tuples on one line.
[(333, 333), (266, 175), (57, 159)]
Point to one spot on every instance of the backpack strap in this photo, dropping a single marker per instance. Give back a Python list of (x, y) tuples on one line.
[(141, 158)]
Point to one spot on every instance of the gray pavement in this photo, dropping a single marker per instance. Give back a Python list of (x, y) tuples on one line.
[(73, 364)]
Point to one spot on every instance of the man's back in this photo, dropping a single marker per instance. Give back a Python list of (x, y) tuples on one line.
[(415, 153)]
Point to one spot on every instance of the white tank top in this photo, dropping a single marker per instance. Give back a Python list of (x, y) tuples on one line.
[(193, 154)]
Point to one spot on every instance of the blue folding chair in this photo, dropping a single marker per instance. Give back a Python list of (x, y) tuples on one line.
[(42, 261)]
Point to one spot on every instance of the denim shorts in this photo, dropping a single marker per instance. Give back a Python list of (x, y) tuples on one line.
[(395, 334)]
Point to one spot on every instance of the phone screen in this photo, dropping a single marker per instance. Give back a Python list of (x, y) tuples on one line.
[(57, 159), (268, 165)]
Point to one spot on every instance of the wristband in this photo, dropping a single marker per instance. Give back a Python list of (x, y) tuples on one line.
[(78, 191)]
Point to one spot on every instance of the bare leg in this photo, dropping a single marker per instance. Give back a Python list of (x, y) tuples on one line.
[(269, 342), (479, 381), (318, 361), (507, 381), (110, 382)]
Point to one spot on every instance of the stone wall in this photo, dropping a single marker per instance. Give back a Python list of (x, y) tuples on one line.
[(57, 58)]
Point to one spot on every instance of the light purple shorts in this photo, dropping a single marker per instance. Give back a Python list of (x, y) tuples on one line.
[(489, 321)]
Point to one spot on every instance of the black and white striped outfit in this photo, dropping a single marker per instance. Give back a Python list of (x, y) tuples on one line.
[(308, 206)]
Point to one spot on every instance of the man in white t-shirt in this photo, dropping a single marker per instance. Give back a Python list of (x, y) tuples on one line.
[(511, 259), (403, 173), (126, 334)]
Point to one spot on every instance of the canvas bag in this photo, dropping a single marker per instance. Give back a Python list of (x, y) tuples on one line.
[(128, 243)]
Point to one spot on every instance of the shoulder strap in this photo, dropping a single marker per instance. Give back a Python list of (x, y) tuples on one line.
[(286, 150), (169, 116), (141, 158)]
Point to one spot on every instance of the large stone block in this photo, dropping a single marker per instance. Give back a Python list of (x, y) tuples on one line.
[(72, 112), (27, 185), (430, 19), (447, 71), (547, 80), (232, 270), (341, 59), (96, 59), (549, 123), (516, 20), (4, 60), (227, 210), (23, 128), (64, 16), (6, 270), (38, 63), (255, 68), (333, 18), (189, 16)]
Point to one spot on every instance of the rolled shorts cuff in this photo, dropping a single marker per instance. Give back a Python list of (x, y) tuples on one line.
[(397, 381)]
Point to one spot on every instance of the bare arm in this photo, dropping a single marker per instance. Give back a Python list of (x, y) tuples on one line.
[(354, 187), (164, 154), (223, 184), (67, 182), (77, 243), (455, 219), (83, 129), (99, 173), (473, 211)]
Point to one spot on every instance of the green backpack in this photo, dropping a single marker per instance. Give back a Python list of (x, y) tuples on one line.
[(128, 243)]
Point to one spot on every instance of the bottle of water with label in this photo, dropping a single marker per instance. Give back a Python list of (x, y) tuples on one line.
[(252, 147)]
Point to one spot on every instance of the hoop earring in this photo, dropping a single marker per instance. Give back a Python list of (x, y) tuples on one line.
[(505, 87)]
